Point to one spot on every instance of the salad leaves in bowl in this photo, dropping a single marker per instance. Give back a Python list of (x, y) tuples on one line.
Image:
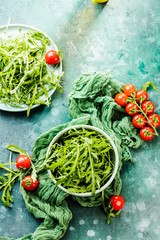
[(82, 160)]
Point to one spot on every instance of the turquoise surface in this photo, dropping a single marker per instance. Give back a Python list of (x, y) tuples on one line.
[(124, 37)]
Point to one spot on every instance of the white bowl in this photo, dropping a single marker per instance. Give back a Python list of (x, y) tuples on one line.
[(116, 158)]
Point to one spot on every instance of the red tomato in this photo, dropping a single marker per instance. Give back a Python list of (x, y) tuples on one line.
[(146, 133), (154, 120), (132, 109), (117, 202), (142, 96), (139, 121), (121, 98), (129, 89), (23, 161), (148, 107), (52, 57), (29, 184)]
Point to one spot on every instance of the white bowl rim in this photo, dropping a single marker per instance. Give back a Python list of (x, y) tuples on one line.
[(114, 149)]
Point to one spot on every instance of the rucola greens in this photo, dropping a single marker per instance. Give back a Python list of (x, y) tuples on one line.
[(25, 78), (81, 161)]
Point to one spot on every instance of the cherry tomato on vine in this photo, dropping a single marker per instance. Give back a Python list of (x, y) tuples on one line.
[(148, 107), (117, 202), (132, 109), (23, 161), (154, 120), (52, 57), (28, 183), (139, 121), (142, 95), (146, 133), (129, 89), (121, 98)]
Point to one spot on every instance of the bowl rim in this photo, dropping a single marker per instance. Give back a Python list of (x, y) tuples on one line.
[(54, 140)]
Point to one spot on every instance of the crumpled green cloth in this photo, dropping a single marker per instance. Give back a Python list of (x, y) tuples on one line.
[(91, 102), (93, 95)]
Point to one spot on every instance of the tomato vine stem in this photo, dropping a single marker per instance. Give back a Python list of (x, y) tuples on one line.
[(133, 99)]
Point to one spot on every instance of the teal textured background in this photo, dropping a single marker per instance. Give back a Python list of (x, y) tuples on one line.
[(124, 37)]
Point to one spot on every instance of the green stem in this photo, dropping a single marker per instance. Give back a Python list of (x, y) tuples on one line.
[(3, 164), (92, 169), (10, 160), (103, 203), (133, 99), (145, 115), (10, 163)]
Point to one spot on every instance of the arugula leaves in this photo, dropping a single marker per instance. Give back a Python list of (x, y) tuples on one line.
[(81, 161), (7, 182), (16, 149), (25, 78)]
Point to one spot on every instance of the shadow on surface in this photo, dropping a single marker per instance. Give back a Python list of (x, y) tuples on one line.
[(80, 23)]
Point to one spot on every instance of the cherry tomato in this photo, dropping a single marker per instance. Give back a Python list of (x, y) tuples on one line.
[(132, 109), (139, 121), (129, 89), (23, 161), (146, 133), (28, 183), (154, 120), (117, 202), (121, 98), (52, 57), (148, 107), (142, 95)]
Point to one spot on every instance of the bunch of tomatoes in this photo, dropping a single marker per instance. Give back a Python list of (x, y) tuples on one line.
[(24, 162), (138, 106)]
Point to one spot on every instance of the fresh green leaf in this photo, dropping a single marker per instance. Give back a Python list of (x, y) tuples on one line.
[(7, 182), (147, 84), (16, 149), (34, 172)]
